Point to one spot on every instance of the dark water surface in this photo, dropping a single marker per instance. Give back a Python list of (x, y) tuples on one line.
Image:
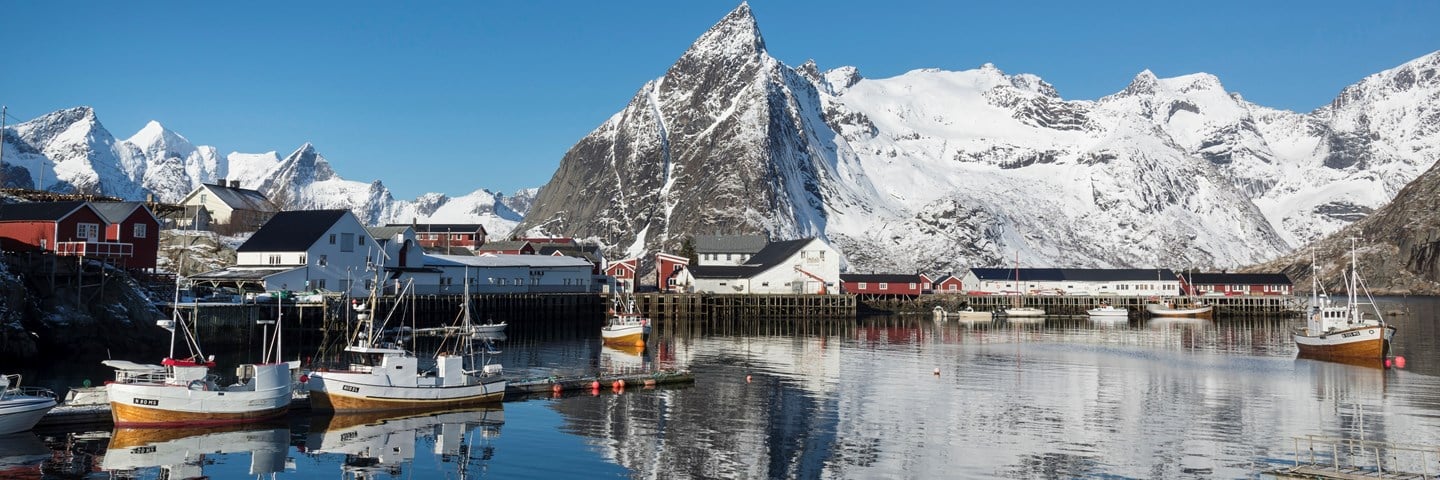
[(1068, 397)]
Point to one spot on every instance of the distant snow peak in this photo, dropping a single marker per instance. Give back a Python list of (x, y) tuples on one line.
[(736, 34)]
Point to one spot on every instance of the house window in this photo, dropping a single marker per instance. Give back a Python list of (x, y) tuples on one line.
[(332, 239), (952, 287), (320, 284), (347, 242), (322, 261), (727, 256), (861, 286), (360, 240), (518, 281), (302, 258), (764, 284), (274, 259), (139, 230), (884, 286), (912, 286), (87, 230)]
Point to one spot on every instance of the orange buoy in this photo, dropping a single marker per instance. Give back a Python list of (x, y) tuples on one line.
[(1400, 362), (556, 388), (747, 379), (621, 382), (595, 385)]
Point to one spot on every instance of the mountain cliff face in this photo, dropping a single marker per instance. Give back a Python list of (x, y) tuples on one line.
[(1397, 247), (70, 151), (938, 171)]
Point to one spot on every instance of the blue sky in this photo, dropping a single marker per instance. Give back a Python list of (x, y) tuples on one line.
[(455, 96)]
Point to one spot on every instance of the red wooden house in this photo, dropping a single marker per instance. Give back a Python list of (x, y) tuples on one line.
[(1237, 283), (949, 284), (666, 265), (64, 228), (132, 223), (927, 284), (882, 284), (444, 236), (623, 272)]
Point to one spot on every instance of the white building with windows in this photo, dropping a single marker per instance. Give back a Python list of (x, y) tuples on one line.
[(510, 274), (1073, 281), (328, 250), (790, 267)]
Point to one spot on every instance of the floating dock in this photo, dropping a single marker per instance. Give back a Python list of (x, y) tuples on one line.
[(1332, 458), (96, 411)]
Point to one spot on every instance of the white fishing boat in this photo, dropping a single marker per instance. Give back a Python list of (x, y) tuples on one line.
[(181, 391), (1170, 309), (1108, 310), (1354, 329), (625, 326), (22, 407), (964, 315), (381, 375)]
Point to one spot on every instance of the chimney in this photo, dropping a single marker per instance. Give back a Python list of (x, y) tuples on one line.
[(219, 182), (234, 184)]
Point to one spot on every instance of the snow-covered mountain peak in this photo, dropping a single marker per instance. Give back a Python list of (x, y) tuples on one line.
[(1033, 83), (841, 78), (154, 139), (736, 35), (1191, 83), (307, 165)]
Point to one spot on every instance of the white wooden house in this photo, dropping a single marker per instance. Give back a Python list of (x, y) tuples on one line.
[(727, 250), (790, 267), (304, 250), (1072, 281), (228, 209)]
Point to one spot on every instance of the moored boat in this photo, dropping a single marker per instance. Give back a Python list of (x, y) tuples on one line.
[(1343, 331), (1108, 310), (380, 375), (1169, 309), (22, 407), (626, 326), (1017, 309)]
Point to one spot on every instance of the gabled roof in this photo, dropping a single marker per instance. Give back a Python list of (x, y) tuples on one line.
[(239, 198), (32, 211), (443, 227), (116, 212), (776, 252), (1076, 274), (293, 231), (569, 251), (505, 261), (730, 243), (879, 278), (1238, 279), (948, 278), (502, 245), (384, 234)]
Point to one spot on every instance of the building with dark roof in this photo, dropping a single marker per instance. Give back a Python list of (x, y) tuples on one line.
[(1239, 283), (789, 267), (305, 250), (1072, 281), (882, 284), (229, 208), (132, 223), (448, 238), (72, 228), (507, 247), (730, 250)]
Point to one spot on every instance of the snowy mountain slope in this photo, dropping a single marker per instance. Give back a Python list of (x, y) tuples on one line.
[(935, 170), (70, 151)]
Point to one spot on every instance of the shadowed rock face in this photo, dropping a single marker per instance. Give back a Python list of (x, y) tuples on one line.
[(1398, 246), (709, 147)]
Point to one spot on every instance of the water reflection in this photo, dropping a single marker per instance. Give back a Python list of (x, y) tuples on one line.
[(380, 444), (21, 454), (185, 452)]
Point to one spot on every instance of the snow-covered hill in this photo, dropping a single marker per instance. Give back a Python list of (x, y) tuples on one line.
[(936, 170), (70, 151)]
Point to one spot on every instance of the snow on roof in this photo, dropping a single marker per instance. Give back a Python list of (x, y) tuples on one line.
[(505, 261)]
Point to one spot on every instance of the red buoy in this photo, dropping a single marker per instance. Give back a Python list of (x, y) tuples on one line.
[(556, 388), (1388, 362), (595, 385), (747, 379), (1400, 362)]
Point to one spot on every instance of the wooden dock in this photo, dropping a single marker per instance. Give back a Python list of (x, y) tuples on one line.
[(734, 306), (1332, 458), (1229, 306), (517, 390)]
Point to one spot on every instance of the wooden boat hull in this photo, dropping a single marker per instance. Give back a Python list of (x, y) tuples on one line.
[(1363, 342), (625, 334), (138, 416), (332, 391), (1164, 311)]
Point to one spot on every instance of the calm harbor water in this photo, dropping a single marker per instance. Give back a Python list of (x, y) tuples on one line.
[(1066, 397)]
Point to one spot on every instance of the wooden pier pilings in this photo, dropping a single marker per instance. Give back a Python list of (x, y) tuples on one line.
[(1230, 306), (734, 306)]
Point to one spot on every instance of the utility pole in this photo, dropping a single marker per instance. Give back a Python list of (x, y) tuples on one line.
[(3, 111)]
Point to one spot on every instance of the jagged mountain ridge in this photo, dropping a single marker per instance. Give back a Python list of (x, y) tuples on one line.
[(70, 151), (937, 171)]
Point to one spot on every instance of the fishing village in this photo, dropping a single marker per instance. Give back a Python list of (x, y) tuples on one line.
[(513, 240), (365, 294)]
